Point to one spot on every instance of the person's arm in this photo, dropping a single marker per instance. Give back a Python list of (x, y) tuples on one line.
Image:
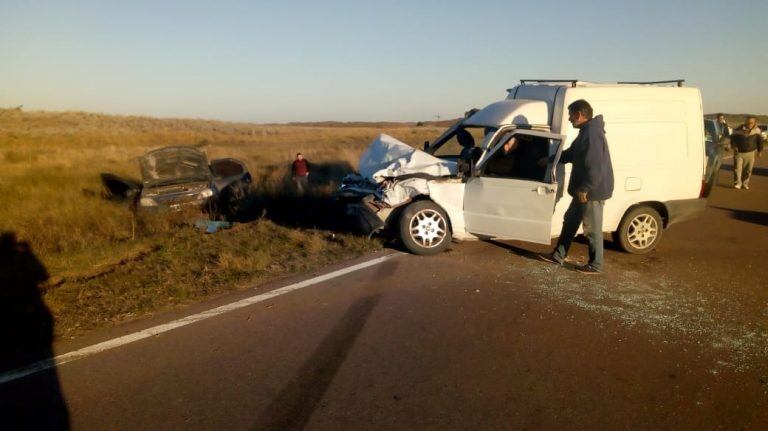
[(565, 157)]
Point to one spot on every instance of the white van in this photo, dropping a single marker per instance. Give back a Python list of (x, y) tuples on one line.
[(654, 130)]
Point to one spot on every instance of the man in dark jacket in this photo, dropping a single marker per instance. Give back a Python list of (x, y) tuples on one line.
[(590, 185), (723, 131), (745, 141)]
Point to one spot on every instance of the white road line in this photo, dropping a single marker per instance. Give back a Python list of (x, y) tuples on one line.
[(136, 336)]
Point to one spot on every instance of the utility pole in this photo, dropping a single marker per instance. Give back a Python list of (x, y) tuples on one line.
[(438, 117)]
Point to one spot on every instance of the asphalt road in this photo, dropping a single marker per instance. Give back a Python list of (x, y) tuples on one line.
[(481, 337)]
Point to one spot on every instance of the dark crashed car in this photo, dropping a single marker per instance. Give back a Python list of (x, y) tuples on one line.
[(176, 177)]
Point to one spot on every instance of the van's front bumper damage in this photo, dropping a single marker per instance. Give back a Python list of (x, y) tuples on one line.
[(371, 206), (684, 209), (391, 175)]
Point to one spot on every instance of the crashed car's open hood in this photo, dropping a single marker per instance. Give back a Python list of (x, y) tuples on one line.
[(174, 164), (387, 157)]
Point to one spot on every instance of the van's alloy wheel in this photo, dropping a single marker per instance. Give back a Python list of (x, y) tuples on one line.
[(640, 230), (428, 228), (424, 228), (643, 230)]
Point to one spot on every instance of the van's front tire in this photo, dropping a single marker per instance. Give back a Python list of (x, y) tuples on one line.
[(423, 228), (640, 230)]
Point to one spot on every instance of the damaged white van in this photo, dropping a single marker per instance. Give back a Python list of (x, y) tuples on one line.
[(468, 184)]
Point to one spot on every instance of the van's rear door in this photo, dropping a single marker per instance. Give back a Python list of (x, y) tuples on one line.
[(513, 208)]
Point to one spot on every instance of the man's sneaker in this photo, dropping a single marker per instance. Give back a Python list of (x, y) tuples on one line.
[(737, 186), (550, 257), (745, 187), (588, 269)]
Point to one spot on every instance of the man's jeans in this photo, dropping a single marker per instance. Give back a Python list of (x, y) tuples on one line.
[(301, 183), (591, 214), (742, 168)]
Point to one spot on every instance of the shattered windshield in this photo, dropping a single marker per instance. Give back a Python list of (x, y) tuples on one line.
[(170, 165)]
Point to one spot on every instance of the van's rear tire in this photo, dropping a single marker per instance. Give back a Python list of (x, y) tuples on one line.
[(640, 230), (423, 228)]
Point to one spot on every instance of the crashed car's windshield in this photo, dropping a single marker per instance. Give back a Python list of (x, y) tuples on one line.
[(169, 165)]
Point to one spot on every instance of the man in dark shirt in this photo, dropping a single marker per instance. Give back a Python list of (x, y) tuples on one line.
[(723, 131), (300, 170), (590, 185), (746, 141)]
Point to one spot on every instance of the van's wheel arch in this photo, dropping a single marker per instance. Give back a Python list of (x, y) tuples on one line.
[(640, 230), (423, 228)]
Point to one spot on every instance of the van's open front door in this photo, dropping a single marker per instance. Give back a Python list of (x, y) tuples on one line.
[(514, 204)]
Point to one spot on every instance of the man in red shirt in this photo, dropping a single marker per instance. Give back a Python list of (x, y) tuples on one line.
[(300, 170)]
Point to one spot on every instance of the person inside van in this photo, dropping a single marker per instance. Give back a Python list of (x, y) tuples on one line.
[(518, 158), (590, 185), (503, 162)]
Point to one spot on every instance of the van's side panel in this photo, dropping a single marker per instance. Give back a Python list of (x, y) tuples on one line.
[(656, 139)]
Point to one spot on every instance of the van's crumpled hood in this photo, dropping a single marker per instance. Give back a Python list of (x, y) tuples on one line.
[(388, 157)]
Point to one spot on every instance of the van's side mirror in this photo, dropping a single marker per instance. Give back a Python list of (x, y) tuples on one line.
[(426, 145)]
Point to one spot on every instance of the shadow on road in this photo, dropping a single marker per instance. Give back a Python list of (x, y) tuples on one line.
[(748, 216), (515, 250), (26, 336), (294, 405), (580, 239)]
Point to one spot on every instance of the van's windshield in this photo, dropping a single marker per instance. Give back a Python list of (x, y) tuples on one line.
[(462, 139)]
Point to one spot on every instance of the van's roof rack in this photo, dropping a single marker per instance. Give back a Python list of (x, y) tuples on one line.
[(576, 82), (548, 81), (679, 82)]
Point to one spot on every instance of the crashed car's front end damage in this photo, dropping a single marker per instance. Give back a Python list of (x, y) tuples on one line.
[(174, 177), (179, 177), (177, 196), (392, 174)]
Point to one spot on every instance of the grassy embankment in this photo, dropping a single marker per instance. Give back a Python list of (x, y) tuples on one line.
[(104, 265)]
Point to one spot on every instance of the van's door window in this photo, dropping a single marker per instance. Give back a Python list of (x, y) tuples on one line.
[(517, 156)]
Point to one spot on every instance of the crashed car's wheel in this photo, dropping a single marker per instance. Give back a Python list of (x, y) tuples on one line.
[(640, 230), (424, 228)]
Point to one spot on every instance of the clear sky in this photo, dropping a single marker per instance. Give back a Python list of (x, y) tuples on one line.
[(281, 61)]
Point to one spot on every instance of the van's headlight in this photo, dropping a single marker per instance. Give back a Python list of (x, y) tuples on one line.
[(206, 193), (147, 202)]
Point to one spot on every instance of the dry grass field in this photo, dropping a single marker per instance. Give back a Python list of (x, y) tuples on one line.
[(104, 265)]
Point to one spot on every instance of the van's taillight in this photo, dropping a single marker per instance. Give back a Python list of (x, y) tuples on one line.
[(703, 188)]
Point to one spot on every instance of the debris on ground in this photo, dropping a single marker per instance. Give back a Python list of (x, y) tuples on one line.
[(212, 226)]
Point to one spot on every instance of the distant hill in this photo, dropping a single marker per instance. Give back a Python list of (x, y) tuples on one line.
[(442, 123), (85, 120)]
